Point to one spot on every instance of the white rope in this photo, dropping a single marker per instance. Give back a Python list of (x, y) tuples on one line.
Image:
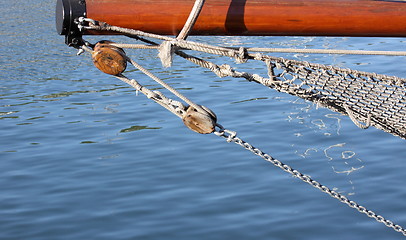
[(328, 51), (135, 46), (175, 107), (350, 113), (190, 22), (167, 86), (289, 50)]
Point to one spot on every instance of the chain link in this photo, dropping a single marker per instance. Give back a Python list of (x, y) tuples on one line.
[(231, 136)]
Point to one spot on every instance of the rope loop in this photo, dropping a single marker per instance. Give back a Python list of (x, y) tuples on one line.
[(350, 113)]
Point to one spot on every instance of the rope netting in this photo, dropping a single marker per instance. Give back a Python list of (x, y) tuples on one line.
[(369, 99), (375, 100)]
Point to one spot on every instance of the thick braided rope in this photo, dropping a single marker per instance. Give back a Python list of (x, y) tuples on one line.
[(165, 85), (173, 106), (190, 22)]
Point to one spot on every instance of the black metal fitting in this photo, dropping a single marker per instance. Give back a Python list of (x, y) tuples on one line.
[(67, 14)]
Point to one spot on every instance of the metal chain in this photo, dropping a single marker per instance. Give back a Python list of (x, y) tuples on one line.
[(231, 136)]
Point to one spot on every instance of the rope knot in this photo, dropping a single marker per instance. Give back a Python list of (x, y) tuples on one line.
[(166, 51), (242, 56)]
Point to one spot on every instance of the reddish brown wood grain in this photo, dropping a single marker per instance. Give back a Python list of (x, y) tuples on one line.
[(257, 17)]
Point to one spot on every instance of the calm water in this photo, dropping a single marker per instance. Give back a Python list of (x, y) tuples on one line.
[(83, 157)]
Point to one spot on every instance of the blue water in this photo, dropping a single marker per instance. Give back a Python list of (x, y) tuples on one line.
[(83, 157)]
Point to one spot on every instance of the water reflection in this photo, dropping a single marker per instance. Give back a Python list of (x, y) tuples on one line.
[(345, 161), (320, 133), (137, 128), (251, 99)]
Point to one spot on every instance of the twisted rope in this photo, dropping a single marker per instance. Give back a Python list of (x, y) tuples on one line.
[(190, 22), (328, 51), (173, 106), (165, 85)]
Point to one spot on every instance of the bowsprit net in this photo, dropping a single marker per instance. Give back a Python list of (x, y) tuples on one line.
[(375, 100)]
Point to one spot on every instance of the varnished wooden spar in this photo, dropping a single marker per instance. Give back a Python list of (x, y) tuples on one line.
[(257, 17)]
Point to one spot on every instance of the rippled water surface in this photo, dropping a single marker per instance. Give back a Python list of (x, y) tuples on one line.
[(82, 156)]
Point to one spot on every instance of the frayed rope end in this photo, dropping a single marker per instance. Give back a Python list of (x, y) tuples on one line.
[(166, 51)]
